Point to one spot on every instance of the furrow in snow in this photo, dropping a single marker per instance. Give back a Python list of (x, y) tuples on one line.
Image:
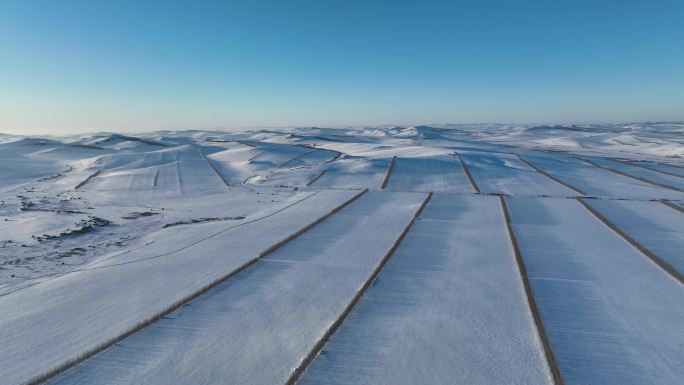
[(676, 206), (468, 174), (534, 309), (389, 173), (86, 180)]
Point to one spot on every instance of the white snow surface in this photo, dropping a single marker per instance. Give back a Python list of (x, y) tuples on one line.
[(79, 310), (612, 315), (103, 231), (279, 307), (449, 305)]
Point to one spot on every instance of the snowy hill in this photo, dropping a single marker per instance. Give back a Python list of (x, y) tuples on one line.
[(435, 254)]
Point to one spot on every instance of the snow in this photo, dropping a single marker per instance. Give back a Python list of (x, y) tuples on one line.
[(75, 312), (663, 168), (276, 310), (354, 173), (449, 304), (643, 173), (438, 174), (597, 181), (658, 227), (612, 316), (505, 173), (100, 232)]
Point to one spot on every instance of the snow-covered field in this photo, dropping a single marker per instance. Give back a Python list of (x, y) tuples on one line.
[(443, 254)]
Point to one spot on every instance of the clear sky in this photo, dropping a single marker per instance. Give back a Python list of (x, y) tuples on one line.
[(70, 66)]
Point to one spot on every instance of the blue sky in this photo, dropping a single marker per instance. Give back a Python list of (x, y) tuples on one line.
[(69, 66)]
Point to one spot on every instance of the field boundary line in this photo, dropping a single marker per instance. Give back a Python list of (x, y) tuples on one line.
[(673, 205), (337, 156), (640, 179), (648, 253), (86, 180), (155, 178), (553, 178), (316, 349), (671, 165), (297, 157), (389, 173), (245, 143), (468, 174), (142, 140), (40, 378), (634, 163), (317, 177), (213, 168), (536, 316)]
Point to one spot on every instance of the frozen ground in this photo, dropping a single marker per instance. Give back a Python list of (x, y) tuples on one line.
[(473, 254)]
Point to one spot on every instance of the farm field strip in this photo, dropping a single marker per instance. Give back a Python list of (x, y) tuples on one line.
[(354, 173), (506, 174), (437, 174), (441, 254), (78, 312), (258, 325), (424, 319), (611, 315), (596, 181), (657, 228), (657, 167), (640, 173)]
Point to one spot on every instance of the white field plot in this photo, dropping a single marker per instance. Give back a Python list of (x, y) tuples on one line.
[(424, 320), (643, 174), (654, 225), (457, 254), (271, 165), (77, 312), (298, 171), (663, 168), (182, 169), (611, 314), (596, 181), (279, 308), (354, 173), (437, 174), (500, 173)]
